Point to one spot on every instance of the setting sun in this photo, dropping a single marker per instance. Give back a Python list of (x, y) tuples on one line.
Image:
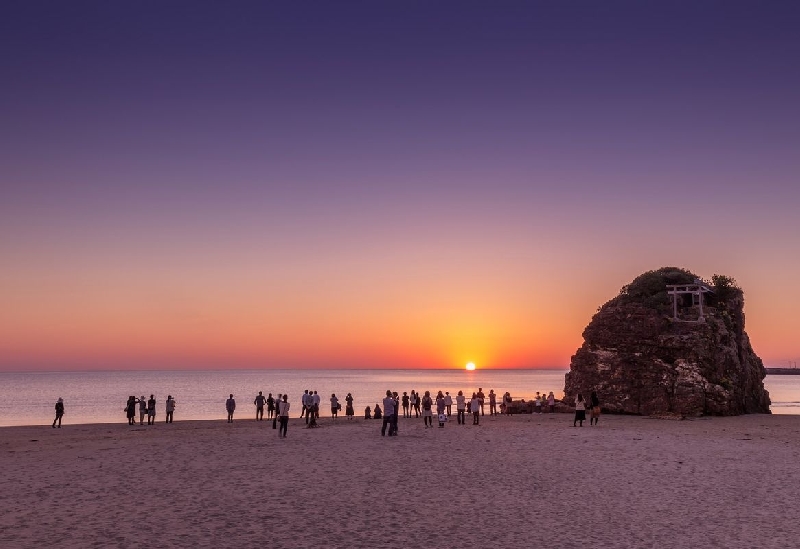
[(470, 366)]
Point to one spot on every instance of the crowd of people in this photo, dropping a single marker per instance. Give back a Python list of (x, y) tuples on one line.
[(421, 405)]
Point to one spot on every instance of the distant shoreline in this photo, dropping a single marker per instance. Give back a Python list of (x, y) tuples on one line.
[(783, 371)]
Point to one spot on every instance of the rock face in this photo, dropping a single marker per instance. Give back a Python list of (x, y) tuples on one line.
[(641, 360)]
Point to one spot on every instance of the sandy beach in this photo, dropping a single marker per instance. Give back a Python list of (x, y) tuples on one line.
[(513, 481)]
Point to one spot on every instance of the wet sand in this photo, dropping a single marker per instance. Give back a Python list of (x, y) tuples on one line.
[(513, 481)]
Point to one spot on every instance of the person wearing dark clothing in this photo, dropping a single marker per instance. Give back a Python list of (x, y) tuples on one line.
[(151, 410), (230, 407), (377, 412), (59, 412), (270, 406), (259, 402), (283, 410), (393, 428), (367, 413), (427, 404), (594, 416), (170, 408), (349, 411), (130, 410)]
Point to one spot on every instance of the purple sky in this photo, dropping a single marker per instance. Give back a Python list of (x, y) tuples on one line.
[(237, 159)]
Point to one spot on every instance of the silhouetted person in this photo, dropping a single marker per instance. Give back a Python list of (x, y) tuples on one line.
[(130, 410), (448, 403), (142, 409), (59, 412), (395, 415), (427, 404), (151, 410), (335, 406), (481, 397), (277, 412), (492, 403), (283, 410), (377, 412), (170, 407), (367, 413), (595, 413), (406, 402), (230, 406), (270, 406), (259, 402), (349, 411)]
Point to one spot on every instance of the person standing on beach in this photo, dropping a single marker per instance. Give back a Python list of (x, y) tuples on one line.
[(142, 409), (481, 397), (388, 413), (304, 405), (395, 415), (551, 402), (427, 404), (270, 406), (439, 403), (448, 402), (406, 401), (595, 413), (475, 408), (414, 402), (461, 407), (283, 410), (170, 408), (259, 402), (230, 407), (349, 411), (315, 400), (334, 406), (277, 410), (417, 403), (151, 410), (59, 412), (492, 403), (130, 410), (508, 402), (580, 410)]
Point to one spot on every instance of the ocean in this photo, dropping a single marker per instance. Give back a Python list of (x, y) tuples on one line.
[(27, 398)]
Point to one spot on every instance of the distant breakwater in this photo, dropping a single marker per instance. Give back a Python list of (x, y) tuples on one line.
[(783, 371)]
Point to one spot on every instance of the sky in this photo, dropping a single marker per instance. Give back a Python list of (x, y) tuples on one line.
[(384, 184)]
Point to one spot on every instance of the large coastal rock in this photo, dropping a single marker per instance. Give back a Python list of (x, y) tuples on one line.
[(642, 360)]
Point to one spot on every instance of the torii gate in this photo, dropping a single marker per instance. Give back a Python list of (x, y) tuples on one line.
[(696, 290)]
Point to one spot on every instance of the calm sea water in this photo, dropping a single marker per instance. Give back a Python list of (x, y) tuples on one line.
[(99, 397)]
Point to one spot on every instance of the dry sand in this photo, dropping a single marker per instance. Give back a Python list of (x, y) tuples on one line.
[(517, 481)]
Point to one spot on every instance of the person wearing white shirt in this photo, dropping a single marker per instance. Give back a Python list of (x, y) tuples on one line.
[(448, 402), (283, 412), (475, 408)]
